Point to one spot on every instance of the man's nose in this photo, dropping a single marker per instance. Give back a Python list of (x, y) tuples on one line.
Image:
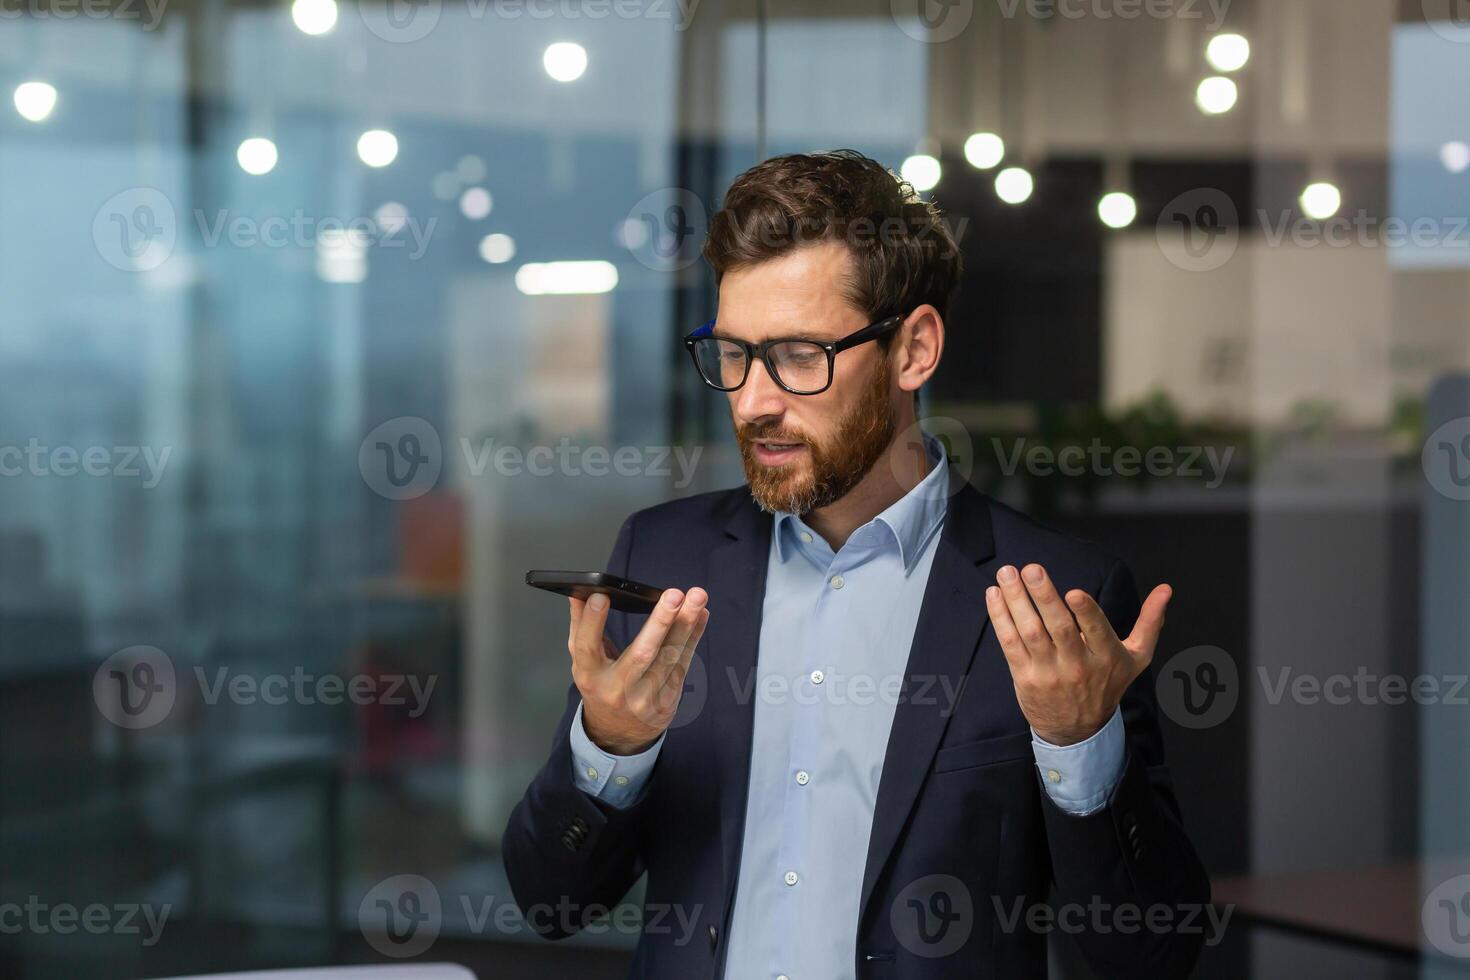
[(760, 397)]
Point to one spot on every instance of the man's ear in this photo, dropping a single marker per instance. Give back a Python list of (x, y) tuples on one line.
[(917, 347)]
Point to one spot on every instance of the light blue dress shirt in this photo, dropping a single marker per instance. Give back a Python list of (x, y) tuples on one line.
[(836, 629)]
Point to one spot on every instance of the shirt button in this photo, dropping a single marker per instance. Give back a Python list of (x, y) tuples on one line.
[(591, 773), (803, 777), (791, 878), (806, 537), (818, 677), (782, 976), (838, 582), (621, 780), (1053, 775)]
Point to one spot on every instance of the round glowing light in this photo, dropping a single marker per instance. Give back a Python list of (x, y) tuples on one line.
[(1228, 52), (445, 186), (1455, 156), (257, 156), (314, 16), (497, 248), (984, 150), (1321, 200), (35, 100), (565, 61), (1117, 209), (470, 169), (1014, 185), (475, 203), (377, 147), (1216, 95), (391, 217), (921, 170)]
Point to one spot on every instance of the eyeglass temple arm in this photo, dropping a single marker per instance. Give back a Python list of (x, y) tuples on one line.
[(866, 334)]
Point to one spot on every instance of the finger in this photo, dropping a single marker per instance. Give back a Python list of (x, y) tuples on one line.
[(574, 616), (1096, 629), (1145, 636), (650, 639), (1023, 614), (587, 640), (1005, 629), (1054, 612), (671, 651), (674, 684)]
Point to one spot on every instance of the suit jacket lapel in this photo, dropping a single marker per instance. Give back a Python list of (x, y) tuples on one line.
[(737, 588), (951, 622)]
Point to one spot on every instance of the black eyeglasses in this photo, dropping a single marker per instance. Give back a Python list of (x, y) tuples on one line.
[(801, 367)]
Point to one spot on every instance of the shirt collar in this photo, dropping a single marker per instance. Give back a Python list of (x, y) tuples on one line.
[(912, 519)]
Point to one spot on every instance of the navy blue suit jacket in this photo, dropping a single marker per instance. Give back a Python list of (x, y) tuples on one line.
[(959, 796)]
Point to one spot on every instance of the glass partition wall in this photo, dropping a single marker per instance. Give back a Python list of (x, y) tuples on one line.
[(324, 322)]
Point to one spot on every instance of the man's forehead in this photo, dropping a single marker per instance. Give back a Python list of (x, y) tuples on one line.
[(798, 292)]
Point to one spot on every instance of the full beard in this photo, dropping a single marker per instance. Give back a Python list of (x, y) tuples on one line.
[(835, 466)]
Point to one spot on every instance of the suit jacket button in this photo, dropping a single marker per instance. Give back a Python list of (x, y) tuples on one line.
[(714, 938), (570, 842)]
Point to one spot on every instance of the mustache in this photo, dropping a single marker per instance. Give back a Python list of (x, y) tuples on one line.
[(749, 433)]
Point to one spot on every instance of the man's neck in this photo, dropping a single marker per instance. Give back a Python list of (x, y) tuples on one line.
[(903, 466)]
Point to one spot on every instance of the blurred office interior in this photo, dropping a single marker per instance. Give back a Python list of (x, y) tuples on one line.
[(244, 246)]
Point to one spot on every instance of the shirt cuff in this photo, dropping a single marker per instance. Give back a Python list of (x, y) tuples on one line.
[(614, 779), (1080, 778)]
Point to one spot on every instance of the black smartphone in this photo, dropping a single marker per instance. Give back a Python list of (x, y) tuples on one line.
[(625, 595)]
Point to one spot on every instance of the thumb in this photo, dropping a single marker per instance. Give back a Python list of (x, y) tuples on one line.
[(1145, 635)]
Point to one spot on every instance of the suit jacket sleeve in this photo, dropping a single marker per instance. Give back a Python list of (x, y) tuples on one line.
[(1133, 853), (564, 851)]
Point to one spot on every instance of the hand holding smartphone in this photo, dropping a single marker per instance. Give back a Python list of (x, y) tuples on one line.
[(630, 696)]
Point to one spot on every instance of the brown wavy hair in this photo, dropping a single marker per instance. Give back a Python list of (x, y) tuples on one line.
[(903, 252)]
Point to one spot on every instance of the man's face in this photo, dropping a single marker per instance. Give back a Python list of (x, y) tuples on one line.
[(803, 452)]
